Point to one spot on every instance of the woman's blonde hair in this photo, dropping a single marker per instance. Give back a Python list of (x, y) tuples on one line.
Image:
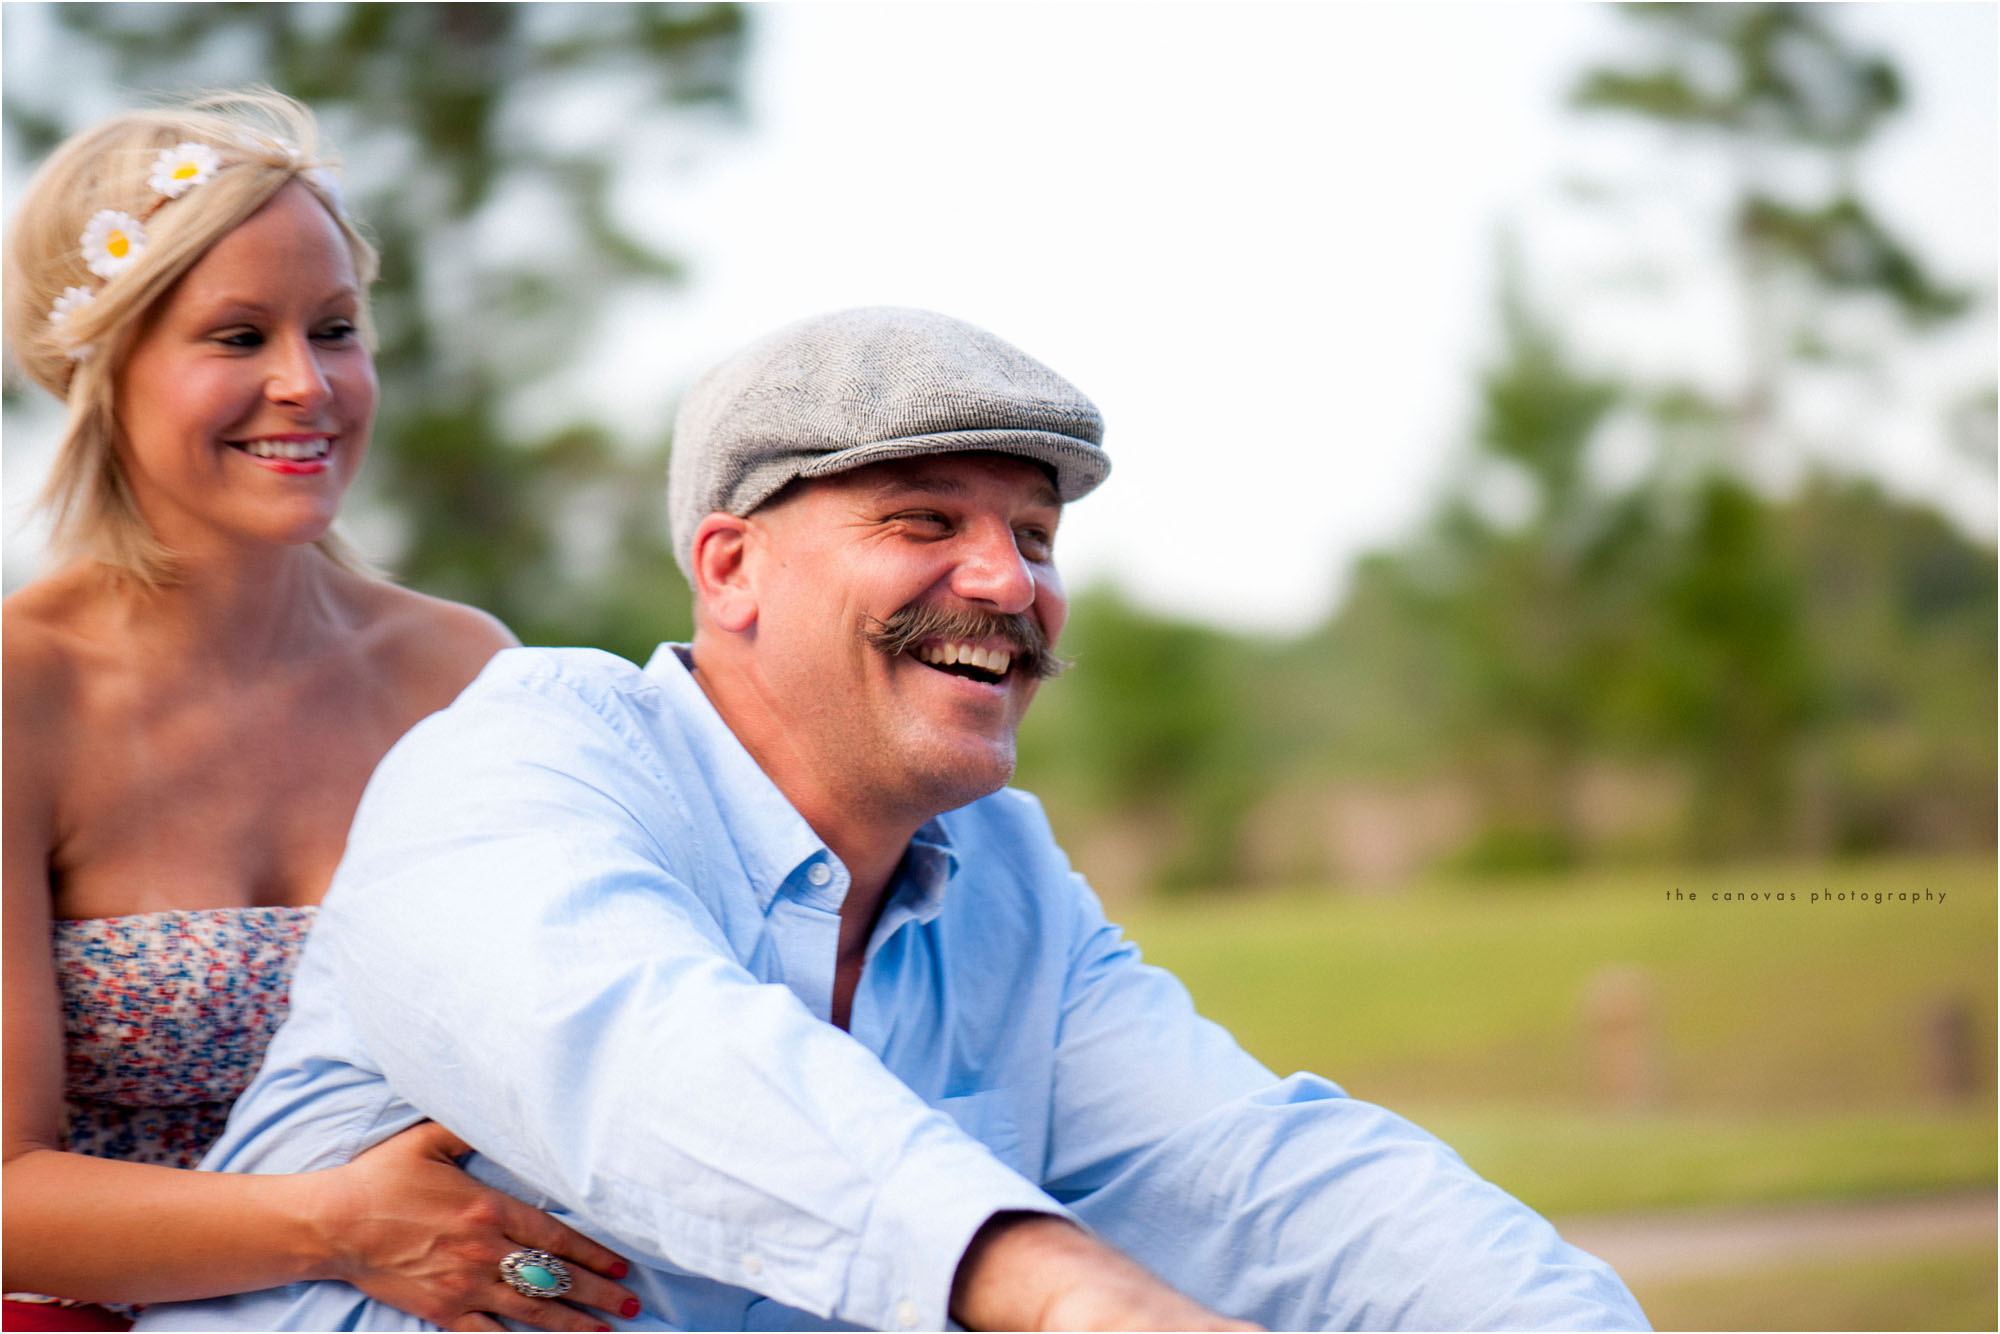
[(264, 141)]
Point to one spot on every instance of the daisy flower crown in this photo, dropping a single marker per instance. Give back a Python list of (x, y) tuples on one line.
[(113, 240)]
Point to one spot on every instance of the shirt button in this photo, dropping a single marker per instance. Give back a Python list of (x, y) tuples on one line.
[(906, 1313), (820, 873), (752, 1265)]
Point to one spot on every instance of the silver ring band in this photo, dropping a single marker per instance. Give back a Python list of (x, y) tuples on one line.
[(534, 1273)]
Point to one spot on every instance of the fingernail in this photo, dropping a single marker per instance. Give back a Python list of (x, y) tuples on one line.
[(604, 1329), (619, 1269), (630, 1308)]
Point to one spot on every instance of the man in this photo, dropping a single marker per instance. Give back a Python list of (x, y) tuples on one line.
[(747, 964)]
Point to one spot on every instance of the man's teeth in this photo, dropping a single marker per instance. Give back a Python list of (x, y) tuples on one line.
[(295, 450), (967, 655)]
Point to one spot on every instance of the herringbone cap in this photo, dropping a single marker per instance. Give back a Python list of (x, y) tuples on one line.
[(840, 391)]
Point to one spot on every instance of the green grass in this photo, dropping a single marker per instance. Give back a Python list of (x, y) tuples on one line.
[(1574, 1162), (1790, 1034), (1949, 1290)]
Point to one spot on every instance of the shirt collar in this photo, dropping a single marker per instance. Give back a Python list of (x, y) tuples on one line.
[(772, 840), (917, 892), (932, 862), (769, 838)]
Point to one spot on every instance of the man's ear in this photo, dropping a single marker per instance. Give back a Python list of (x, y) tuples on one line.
[(721, 568)]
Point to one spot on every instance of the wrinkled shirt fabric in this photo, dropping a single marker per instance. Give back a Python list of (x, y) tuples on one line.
[(579, 926)]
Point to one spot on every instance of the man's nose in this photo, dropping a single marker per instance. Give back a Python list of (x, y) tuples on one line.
[(992, 570)]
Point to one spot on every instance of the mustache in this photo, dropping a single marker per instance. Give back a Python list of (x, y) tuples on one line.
[(905, 629)]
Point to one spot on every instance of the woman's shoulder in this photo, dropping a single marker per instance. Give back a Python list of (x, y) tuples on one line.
[(400, 611), (50, 630), (431, 646), (53, 636)]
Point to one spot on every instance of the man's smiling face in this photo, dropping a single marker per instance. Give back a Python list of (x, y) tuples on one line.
[(904, 614)]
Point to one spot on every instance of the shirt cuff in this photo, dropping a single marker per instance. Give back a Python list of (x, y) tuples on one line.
[(923, 1219)]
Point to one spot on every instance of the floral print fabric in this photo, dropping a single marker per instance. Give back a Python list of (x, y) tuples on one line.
[(165, 1017)]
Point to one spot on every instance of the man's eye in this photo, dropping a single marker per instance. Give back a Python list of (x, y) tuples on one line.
[(1035, 543)]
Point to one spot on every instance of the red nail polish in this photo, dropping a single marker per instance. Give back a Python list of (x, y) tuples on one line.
[(604, 1329), (619, 1269), (630, 1308)]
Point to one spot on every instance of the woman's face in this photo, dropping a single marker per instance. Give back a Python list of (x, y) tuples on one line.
[(246, 401)]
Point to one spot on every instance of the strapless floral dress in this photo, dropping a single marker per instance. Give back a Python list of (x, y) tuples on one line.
[(165, 1017)]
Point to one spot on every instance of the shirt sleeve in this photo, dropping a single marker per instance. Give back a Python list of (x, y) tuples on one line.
[(526, 972), (1285, 1202)]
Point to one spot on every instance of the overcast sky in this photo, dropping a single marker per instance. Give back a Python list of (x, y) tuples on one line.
[(1262, 237)]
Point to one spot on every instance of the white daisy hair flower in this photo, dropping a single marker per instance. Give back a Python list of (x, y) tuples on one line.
[(72, 300), (112, 242), (179, 169)]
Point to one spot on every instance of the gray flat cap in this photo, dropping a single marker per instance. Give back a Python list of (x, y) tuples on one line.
[(840, 391)]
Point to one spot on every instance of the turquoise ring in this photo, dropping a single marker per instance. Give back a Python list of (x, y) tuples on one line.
[(535, 1273)]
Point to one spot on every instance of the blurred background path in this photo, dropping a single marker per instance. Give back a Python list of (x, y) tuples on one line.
[(1697, 1243)]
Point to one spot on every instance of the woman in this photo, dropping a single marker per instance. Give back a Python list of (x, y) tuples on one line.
[(194, 698)]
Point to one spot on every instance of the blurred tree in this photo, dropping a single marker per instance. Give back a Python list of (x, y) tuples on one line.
[(1545, 621), (486, 145), (1523, 610), (1157, 724), (1811, 673), (1900, 610), (1788, 103)]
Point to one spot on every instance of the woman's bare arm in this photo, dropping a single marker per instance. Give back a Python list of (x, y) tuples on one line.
[(401, 1222), (78, 1226)]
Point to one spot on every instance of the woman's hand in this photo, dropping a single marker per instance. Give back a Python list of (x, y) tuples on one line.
[(408, 1227)]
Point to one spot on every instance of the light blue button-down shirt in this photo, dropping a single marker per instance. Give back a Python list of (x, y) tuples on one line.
[(579, 926)]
